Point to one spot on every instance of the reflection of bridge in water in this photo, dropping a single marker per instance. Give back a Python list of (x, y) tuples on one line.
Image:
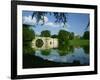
[(47, 43)]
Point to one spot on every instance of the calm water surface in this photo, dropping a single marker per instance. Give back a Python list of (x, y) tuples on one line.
[(62, 55), (78, 54)]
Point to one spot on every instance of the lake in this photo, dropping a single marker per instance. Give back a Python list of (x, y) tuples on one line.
[(57, 57)]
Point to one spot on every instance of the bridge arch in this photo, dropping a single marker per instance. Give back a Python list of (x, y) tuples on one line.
[(48, 42)]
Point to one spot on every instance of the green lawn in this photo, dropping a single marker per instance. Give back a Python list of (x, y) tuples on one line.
[(78, 42)]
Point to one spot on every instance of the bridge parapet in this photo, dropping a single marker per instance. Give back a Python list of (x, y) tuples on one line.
[(48, 43)]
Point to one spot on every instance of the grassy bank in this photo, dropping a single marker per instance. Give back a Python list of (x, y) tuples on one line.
[(79, 42)]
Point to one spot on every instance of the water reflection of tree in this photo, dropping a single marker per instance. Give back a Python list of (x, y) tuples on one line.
[(65, 49), (86, 49), (45, 52), (27, 48)]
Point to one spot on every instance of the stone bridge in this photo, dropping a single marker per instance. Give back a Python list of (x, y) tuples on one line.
[(48, 43)]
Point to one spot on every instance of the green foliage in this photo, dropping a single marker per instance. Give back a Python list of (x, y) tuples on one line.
[(71, 35), (45, 52), (86, 35), (45, 33), (54, 36), (28, 36), (86, 49), (78, 42), (65, 49), (63, 36), (27, 49), (77, 37)]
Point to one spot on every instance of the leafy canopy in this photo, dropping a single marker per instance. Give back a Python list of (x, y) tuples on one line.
[(59, 17)]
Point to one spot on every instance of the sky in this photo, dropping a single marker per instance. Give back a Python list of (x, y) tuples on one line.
[(76, 22)]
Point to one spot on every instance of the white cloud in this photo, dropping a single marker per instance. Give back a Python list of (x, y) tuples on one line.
[(45, 20), (32, 21), (29, 20), (38, 33), (65, 28), (75, 34), (51, 24)]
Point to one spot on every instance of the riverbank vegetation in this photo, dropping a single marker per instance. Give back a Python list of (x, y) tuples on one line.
[(64, 38), (28, 36)]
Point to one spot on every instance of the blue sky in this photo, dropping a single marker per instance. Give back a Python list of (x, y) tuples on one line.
[(76, 22)]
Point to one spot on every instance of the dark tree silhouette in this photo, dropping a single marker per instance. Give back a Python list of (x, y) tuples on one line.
[(28, 36), (45, 33), (88, 24), (86, 35), (71, 35), (63, 37), (54, 36), (59, 17)]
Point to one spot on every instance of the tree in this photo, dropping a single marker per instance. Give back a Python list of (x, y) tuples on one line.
[(28, 36), (59, 17), (88, 24), (65, 49), (45, 33), (63, 34), (86, 35), (63, 37), (54, 36), (77, 37), (71, 35)]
